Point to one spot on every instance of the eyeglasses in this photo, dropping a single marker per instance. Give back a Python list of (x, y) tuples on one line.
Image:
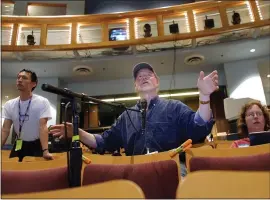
[(142, 77), (252, 114)]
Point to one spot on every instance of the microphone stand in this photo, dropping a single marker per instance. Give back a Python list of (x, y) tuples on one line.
[(75, 152), (143, 111), (143, 130), (143, 120), (75, 165)]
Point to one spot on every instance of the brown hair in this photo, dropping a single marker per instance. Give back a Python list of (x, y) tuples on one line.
[(241, 122)]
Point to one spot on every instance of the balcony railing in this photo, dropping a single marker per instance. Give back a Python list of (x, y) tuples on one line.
[(189, 15)]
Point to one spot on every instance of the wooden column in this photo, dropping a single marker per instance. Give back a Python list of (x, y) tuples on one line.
[(74, 33), (131, 28), (90, 116), (191, 21), (160, 26), (14, 34), (217, 106), (223, 17), (43, 35), (255, 11), (105, 32)]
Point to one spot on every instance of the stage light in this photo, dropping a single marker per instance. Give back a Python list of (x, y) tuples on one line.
[(208, 23), (147, 30), (236, 19), (31, 39), (174, 28)]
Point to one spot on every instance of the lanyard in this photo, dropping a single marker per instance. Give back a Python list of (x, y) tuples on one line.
[(21, 122)]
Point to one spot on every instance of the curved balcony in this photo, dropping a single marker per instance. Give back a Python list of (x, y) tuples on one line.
[(92, 31)]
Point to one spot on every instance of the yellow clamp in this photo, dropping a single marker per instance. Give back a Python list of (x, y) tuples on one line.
[(75, 138)]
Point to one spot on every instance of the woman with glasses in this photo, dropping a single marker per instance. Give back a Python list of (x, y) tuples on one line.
[(254, 117)]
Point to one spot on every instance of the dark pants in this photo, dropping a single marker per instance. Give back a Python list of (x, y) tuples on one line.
[(31, 148)]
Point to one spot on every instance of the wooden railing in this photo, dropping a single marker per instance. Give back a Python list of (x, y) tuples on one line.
[(189, 11)]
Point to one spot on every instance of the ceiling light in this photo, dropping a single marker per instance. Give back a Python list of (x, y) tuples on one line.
[(195, 20), (252, 50), (161, 95), (187, 22), (108, 100), (259, 10), (268, 76), (164, 95), (250, 12), (126, 99), (6, 6), (184, 94)]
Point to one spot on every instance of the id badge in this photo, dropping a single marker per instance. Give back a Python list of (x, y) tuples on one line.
[(18, 145)]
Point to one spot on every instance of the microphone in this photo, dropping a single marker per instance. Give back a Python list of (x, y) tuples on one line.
[(69, 94), (143, 111), (49, 88)]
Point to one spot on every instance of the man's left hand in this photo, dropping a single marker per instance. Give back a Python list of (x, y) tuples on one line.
[(47, 155), (208, 84)]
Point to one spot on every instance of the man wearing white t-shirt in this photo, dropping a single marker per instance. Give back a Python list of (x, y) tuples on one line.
[(29, 114)]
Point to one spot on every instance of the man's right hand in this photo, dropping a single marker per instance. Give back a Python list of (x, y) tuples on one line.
[(85, 137), (59, 130)]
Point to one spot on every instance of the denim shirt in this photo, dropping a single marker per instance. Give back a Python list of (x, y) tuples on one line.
[(169, 123)]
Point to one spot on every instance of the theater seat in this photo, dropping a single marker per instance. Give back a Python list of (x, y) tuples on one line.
[(117, 189), (226, 153), (225, 185), (260, 162), (157, 179), (14, 182)]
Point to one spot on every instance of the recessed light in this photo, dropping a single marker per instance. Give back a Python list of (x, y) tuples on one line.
[(268, 76), (252, 50)]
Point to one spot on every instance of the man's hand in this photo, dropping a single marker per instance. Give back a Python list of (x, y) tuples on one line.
[(47, 155), (207, 84), (59, 130)]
